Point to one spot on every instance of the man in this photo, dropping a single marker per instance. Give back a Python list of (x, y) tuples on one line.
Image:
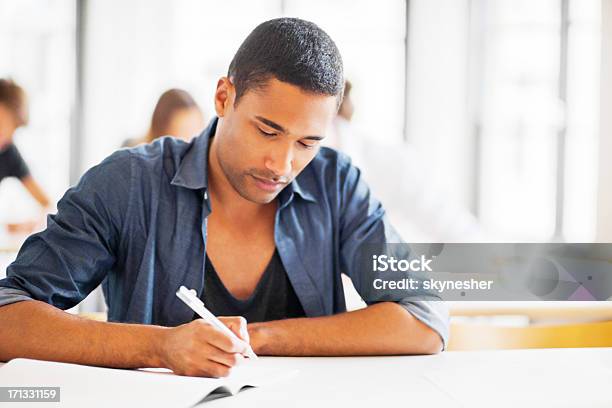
[(14, 114), (228, 216)]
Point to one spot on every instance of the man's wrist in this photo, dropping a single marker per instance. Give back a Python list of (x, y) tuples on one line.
[(156, 346), (259, 337)]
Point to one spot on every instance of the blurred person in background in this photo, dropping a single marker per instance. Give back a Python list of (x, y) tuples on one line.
[(176, 114), (344, 136), (416, 202), (14, 114)]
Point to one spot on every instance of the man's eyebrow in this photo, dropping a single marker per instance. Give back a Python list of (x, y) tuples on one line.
[(314, 137), (281, 129), (273, 125)]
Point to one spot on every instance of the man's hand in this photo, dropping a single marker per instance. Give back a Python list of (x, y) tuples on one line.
[(34, 329), (199, 349)]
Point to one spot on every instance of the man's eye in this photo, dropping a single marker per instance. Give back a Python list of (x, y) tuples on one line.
[(266, 133), (307, 146)]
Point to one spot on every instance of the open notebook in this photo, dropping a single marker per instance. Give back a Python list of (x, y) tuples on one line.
[(94, 386)]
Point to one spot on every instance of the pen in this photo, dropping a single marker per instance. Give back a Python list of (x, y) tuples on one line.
[(191, 300)]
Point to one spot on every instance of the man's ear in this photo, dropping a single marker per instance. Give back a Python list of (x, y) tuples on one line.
[(224, 96)]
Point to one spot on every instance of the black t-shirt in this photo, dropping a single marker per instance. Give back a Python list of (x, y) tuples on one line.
[(12, 164), (273, 299)]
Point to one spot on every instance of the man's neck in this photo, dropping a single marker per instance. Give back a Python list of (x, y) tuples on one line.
[(223, 195)]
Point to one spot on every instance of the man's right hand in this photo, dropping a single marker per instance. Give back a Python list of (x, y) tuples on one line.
[(199, 349)]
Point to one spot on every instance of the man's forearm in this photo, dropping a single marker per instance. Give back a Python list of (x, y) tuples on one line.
[(384, 328), (33, 329)]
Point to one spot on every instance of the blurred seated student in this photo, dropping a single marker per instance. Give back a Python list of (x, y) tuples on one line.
[(343, 135), (176, 114), (14, 114), (416, 200)]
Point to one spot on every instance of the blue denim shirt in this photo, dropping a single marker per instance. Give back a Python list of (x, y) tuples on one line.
[(137, 223)]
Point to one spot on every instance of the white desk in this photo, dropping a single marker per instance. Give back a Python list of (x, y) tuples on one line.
[(516, 378)]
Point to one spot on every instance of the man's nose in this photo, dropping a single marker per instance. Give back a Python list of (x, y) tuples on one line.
[(279, 160)]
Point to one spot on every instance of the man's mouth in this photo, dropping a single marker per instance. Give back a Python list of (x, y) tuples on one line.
[(267, 184)]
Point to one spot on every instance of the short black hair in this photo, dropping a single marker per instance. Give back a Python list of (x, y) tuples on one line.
[(291, 50)]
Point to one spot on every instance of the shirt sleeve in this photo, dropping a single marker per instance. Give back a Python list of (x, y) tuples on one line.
[(363, 222), (64, 263), (16, 165), (10, 295)]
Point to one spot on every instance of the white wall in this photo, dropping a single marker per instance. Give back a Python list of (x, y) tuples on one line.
[(438, 120), (135, 50), (604, 199), (124, 71), (36, 50)]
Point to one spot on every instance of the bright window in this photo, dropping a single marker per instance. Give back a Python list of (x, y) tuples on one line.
[(37, 43)]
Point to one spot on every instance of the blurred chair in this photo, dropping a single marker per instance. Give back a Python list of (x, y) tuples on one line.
[(470, 336)]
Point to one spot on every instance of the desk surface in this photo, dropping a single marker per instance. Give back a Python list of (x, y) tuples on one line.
[(549, 377), (546, 377)]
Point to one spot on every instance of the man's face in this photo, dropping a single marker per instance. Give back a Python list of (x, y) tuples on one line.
[(265, 141)]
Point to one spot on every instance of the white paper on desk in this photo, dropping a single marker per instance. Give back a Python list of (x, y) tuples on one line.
[(86, 386), (519, 384)]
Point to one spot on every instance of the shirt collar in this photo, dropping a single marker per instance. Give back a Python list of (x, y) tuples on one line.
[(296, 187), (193, 170)]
